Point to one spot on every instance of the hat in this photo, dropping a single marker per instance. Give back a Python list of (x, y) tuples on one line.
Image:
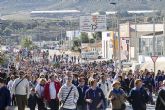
[(115, 82)]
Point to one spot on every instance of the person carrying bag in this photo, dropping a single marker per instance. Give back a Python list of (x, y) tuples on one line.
[(62, 103), (68, 94)]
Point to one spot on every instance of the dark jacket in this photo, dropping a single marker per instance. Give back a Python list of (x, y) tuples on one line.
[(159, 104), (149, 83), (81, 100), (159, 78), (96, 96), (138, 98), (5, 98), (123, 85), (129, 84), (75, 82), (32, 101)]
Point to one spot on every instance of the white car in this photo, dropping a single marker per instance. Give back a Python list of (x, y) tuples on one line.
[(90, 55)]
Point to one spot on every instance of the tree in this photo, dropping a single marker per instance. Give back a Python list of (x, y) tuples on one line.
[(17, 25), (26, 43), (7, 32), (92, 40), (97, 36), (76, 42), (84, 38), (4, 24)]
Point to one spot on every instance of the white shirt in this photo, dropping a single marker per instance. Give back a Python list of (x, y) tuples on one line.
[(52, 90), (105, 87), (10, 85), (40, 90), (22, 88)]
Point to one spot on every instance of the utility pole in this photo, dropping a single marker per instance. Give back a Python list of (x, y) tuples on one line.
[(114, 39), (137, 40), (154, 41), (164, 36), (118, 29), (119, 48), (154, 38)]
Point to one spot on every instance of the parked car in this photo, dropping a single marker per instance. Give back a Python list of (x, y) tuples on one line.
[(90, 55)]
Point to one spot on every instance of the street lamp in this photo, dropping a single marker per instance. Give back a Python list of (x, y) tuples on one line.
[(118, 28), (154, 38)]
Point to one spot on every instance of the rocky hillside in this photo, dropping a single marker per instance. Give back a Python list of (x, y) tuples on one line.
[(16, 6)]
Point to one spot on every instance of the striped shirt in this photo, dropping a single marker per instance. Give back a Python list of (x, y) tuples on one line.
[(73, 96)]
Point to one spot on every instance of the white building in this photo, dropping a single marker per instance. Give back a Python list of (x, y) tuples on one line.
[(71, 34), (107, 44), (55, 13), (142, 45)]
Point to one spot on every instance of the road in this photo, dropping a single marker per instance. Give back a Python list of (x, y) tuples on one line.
[(149, 107)]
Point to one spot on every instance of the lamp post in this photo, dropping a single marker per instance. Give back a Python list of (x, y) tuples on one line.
[(137, 39), (154, 38), (164, 36), (118, 29)]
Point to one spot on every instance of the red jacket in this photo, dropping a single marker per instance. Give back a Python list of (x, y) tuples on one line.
[(47, 92)]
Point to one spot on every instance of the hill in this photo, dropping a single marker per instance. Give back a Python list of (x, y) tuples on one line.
[(9, 7)]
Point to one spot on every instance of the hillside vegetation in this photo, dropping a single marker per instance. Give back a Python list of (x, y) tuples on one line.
[(16, 6)]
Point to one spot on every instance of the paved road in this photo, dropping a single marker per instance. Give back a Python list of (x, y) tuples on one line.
[(149, 107)]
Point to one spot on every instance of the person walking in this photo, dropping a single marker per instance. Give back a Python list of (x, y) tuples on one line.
[(149, 84), (9, 86), (51, 90), (21, 90), (5, 98), (129, 82), (82, 88), (68, 94), (39, 89), (105, 87), (117, 97), (160, 101), (94, 97), (138, 96), (32, 100)]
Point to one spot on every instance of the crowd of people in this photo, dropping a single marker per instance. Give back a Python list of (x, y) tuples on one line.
[(66, 84)]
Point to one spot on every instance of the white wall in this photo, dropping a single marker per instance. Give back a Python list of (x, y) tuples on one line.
[(72, 34), (148, 27), (107, 50)]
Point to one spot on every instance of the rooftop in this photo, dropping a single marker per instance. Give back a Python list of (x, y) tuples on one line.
[(56, 11)]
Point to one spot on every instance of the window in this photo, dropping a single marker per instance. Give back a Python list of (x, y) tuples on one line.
[(146, 46)]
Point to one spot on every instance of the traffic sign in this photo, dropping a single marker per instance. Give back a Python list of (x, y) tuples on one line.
[(94, 23), (154, 58)]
